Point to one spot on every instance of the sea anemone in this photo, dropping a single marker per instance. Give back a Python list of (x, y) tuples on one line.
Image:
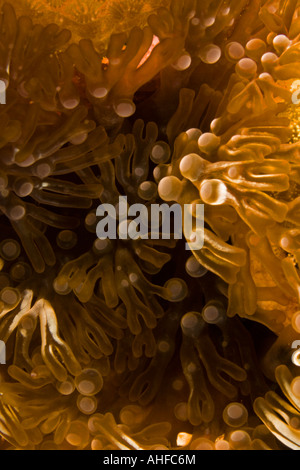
[(139, 343)]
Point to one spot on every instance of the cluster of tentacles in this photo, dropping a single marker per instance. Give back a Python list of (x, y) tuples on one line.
[(142, 344)]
